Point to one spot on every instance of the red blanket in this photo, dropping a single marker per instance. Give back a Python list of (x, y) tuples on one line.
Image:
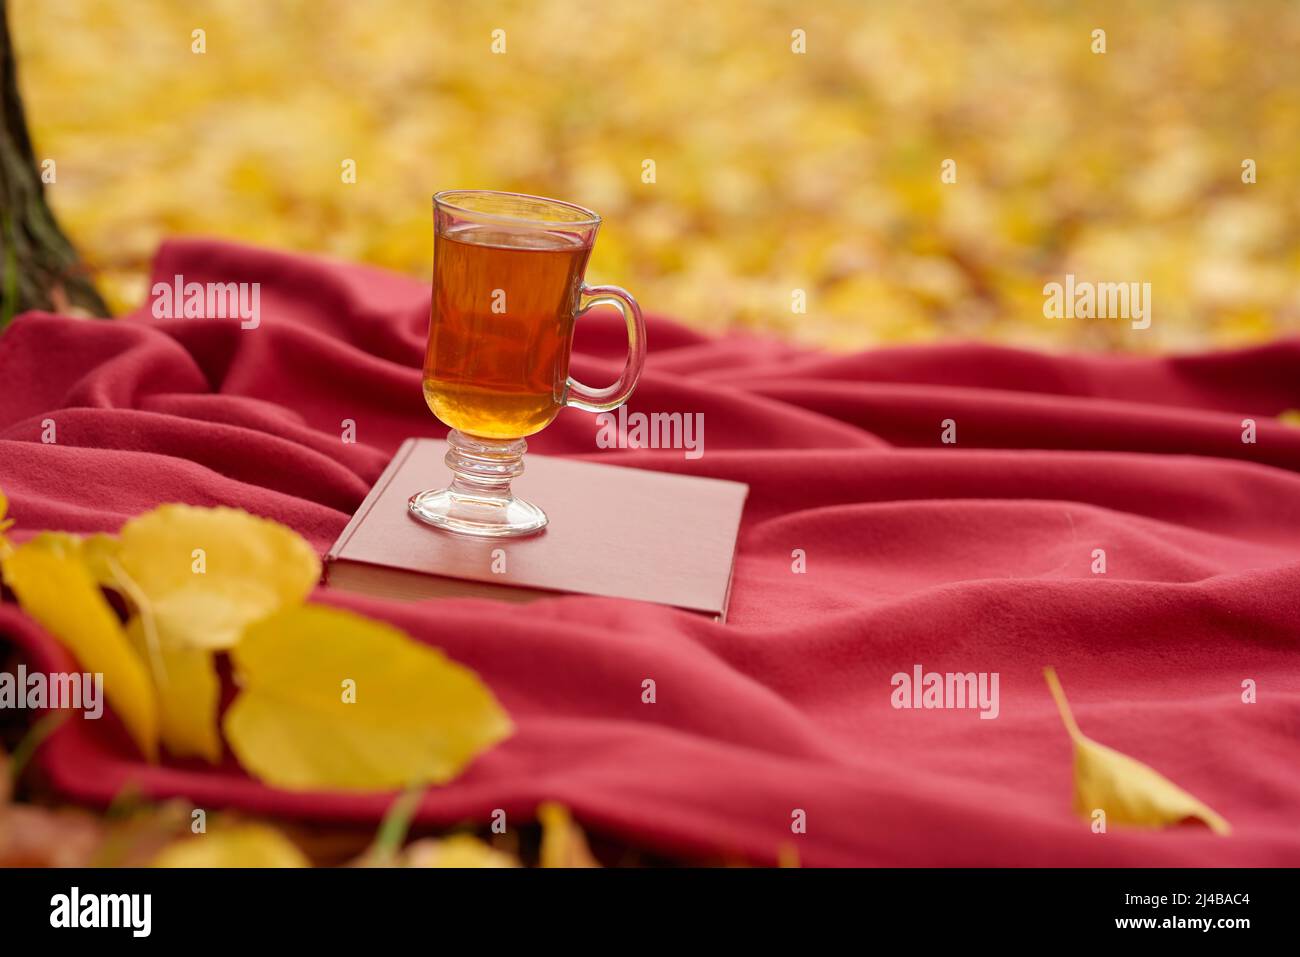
[(973, 556)]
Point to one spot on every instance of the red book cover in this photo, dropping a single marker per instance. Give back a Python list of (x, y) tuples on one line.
[(615, 532)]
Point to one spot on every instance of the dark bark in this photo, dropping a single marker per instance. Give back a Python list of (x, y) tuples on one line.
[(39, 269)]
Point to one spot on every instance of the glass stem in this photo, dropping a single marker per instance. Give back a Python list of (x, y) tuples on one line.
[(482, 469)]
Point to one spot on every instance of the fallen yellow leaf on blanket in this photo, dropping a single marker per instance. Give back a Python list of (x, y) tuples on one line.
[(203, 574), (329, 699), (189, 693), (243, 845), (60, 593), (1127, 790)]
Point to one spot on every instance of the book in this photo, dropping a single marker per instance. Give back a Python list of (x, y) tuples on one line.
[(613, 531)]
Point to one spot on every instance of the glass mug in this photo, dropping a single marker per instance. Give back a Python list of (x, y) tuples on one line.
[(507, 289)]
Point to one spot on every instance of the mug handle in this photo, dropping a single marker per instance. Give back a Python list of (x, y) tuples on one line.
[(611, 397)]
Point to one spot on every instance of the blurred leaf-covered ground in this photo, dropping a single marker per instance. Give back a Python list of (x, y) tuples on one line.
[(775, 171)]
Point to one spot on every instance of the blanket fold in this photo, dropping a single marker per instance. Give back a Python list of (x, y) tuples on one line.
[(869, 546)]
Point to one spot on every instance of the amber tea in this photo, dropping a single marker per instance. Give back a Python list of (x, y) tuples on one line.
[(501, 328)]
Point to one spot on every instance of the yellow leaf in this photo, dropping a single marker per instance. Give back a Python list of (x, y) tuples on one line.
[(1127, 790), (244, 845), (96, 552), (59, 593), (203, 574), (329, 699), (563, 843), (459, 850), (189, 693), (5, 547)]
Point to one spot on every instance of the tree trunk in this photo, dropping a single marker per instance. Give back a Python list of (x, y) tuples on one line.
[(39, 269)]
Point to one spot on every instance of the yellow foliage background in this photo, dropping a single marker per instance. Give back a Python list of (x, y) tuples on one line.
[(775, 171)]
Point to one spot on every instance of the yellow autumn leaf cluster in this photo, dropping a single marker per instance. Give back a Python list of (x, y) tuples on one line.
[(327, 699), (775, 170)]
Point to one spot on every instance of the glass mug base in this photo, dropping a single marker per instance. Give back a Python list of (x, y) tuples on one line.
[(479, 501)]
